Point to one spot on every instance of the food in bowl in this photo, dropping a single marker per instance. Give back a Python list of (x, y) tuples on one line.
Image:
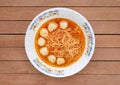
[(59, 42)]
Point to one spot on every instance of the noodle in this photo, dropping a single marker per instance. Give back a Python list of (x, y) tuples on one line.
[(63, 43)]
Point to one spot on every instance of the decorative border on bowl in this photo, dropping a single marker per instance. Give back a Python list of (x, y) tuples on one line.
[(89, 39), (47, 69), (43, 17)]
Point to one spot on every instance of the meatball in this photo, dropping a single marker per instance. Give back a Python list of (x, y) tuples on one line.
[(44, 51), (41, 41), (60, 61), (44, 32), (52, 58), (63, 24)]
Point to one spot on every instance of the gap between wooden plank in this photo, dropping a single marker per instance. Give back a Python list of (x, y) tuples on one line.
[(61, 6)]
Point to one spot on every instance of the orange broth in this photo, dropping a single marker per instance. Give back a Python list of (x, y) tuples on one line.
[(75, 32)]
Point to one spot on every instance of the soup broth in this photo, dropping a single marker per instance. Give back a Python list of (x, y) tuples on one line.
[(59, 42)]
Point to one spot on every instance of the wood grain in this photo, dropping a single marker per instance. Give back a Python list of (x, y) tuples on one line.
[(18, 40), (106, 54), (86, 80), (107, 40), (99, 27), (59, 3), (8, 54), (103, 69), (22, 79), (11, 40), (28, 13), (106, 27), (38, 79), (13, 54), (93, 67), (13, 27)]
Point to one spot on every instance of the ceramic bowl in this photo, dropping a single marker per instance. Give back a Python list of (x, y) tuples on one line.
[(59, 13)]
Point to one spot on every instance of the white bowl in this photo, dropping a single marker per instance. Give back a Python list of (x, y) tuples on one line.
[(59, 13)]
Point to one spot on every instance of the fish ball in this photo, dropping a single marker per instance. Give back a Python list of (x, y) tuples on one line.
[(63, 24), (41, 41), (52, 26), (44, 51), (52, 58), (44, 32), (60, 61)]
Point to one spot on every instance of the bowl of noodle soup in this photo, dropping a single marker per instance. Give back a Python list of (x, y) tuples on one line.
[(59, 42)]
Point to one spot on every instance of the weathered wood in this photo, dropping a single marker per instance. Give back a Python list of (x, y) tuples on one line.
[(59, 3), (103, 69), (107, 40), (28, 13), (13, 27), (99, 54), (93, 67), (86, 80), (40, 79), (13, 54), (22, 79), (20, 27), (11, 40)]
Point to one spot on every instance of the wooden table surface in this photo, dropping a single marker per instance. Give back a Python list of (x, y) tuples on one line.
[(103, 69)]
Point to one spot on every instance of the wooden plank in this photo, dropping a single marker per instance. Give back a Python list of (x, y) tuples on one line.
[(93, 67), (101, 67), (13, 27), (13, 54), (17, 67), (59, 3), (38, 79), (11, 40), (86, 80), (106, 27), (99, 54), (100, 27), (28, 13), (107, 40), (22, 79), (106, 54), (18, 40)]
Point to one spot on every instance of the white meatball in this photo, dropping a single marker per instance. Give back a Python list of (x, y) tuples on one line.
[(52, 58), (44, 51), (63, 24), (41, 41), (52, 26), (60, 61), (44, 32)]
